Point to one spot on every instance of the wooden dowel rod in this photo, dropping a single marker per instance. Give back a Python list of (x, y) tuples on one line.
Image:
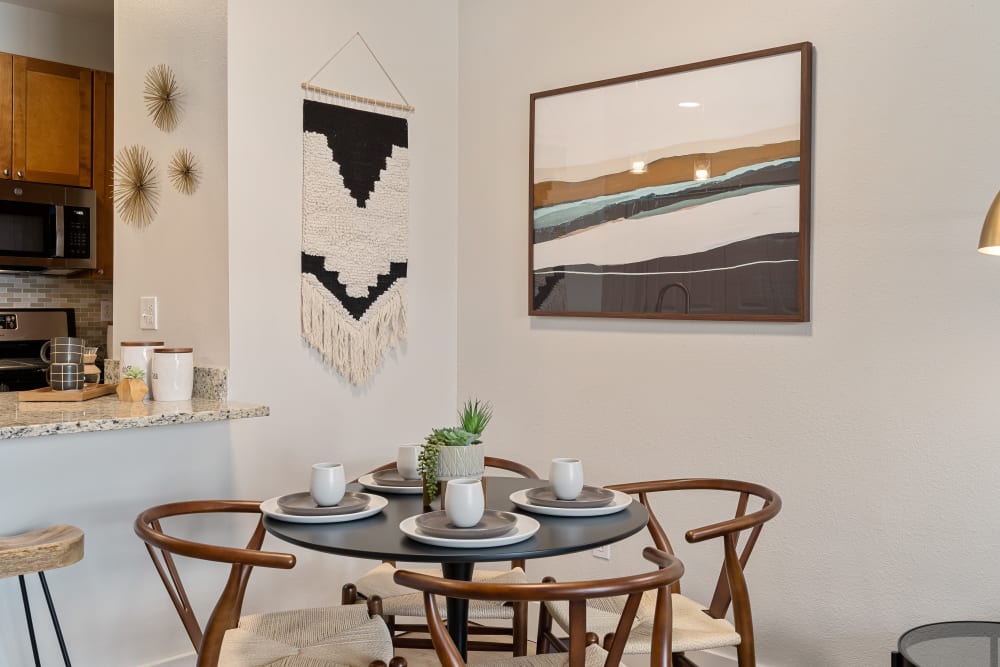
[(357, 98)]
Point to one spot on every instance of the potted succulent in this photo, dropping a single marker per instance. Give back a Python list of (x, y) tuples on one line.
[(457, 451), (131, 388)]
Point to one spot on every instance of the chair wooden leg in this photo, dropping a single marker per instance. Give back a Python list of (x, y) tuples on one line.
[(519, 626), (544, 626), (745, 654)]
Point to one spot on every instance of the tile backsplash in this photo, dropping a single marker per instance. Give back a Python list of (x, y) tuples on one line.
[(20, 290)]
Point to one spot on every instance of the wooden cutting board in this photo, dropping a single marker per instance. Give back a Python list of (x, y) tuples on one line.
[(88, 392)]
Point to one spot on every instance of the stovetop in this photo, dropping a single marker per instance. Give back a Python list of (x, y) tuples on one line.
[(21, 364)]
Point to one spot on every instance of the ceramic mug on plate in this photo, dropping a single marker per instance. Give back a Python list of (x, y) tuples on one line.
[(327, 483), (407, 460), (566, 478), (464, 502)]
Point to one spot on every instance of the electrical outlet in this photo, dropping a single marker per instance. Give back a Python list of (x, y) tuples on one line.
[(603, 552), (107, 312), (147, 312)]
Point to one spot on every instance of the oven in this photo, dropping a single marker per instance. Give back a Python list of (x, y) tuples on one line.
[(23, 331)]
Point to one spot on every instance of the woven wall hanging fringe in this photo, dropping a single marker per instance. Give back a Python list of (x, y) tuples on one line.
[(355, 213)]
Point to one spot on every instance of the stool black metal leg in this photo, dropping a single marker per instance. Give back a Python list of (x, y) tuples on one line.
[(55, 619), (27, 616)]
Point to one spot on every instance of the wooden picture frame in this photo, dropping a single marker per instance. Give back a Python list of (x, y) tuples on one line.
[(681, 193)]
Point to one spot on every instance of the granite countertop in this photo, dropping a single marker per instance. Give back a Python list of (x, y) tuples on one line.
[(28, 419)]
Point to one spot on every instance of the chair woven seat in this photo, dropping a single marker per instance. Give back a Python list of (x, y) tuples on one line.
[(325, 637), (694, 630), (594, 657), (402, 601)]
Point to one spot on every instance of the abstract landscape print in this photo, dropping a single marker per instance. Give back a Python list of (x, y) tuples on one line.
[(681, 193)]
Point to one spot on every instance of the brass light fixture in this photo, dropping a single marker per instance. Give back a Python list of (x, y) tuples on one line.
[(989, 239)]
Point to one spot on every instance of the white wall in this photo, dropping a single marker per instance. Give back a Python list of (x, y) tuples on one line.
[(181, 257), (876, 421), (65, 39), (316, 415)]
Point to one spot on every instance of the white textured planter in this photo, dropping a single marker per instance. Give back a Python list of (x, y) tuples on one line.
[(455, 462)]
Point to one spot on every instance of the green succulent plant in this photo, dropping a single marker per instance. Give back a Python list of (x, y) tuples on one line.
[(475, 416), (134, 373), (427, 461)]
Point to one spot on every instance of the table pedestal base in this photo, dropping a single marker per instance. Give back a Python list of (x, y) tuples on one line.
[(458, 608)]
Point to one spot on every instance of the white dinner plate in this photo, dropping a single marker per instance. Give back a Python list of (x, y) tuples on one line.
[(375, 505), (522, 530), (369, 482), (620, 502)]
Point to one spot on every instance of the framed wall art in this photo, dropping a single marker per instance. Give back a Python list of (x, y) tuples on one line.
[(681, 193)]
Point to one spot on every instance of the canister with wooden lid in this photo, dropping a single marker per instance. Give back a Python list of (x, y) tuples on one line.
[(173, 373)]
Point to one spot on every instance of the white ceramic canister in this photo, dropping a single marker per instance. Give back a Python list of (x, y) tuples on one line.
[(173, 373), (139, 354)]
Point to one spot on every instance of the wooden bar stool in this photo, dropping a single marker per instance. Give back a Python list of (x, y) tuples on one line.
[(37, 551)]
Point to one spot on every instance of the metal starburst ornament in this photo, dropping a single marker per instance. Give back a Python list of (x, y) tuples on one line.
[(162, 95), (184, 172), (136, 189)]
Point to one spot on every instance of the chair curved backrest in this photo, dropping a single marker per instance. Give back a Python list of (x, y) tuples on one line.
[(731, 587), (226, 614), (490, 461), (577, 593)]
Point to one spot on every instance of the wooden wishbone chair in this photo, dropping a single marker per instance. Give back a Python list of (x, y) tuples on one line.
[(696, 627), (295, 637), (389, 599), (583, 647)]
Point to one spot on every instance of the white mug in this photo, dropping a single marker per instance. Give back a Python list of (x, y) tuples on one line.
[(406, 461), (566, 478), (327, 483), (464, 502)]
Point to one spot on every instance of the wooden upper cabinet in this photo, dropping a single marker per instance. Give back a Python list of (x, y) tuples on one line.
[(6, 113), (52, 122)]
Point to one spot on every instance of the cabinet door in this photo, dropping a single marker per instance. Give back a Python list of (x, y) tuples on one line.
[(52, 122), (104, 123), (6, 112)]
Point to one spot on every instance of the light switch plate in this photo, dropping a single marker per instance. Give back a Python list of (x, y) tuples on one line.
[(107, 312), (147, 312)]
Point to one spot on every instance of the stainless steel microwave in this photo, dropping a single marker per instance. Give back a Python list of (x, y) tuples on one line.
[(47, 228)]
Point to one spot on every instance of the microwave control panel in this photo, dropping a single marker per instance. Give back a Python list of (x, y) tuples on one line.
[(8, 321), (77, 242)]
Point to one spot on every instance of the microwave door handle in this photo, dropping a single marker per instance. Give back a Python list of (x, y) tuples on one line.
[(60, 231)]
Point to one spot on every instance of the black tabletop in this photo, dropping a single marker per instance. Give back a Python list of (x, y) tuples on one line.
[(380, 538), (966, 643)]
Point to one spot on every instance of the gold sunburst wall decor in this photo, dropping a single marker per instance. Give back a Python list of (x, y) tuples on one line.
[(162, 96), (136, 189), (184, 171)]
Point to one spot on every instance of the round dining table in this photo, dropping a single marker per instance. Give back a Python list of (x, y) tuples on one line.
[(379, 537)]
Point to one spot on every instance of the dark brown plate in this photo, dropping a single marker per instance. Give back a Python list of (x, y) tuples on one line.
[(590, 496), (302, 504), (393, 478), (493, 524)]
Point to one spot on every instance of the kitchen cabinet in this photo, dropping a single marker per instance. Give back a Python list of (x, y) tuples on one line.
[(104, 123), (46, 121)]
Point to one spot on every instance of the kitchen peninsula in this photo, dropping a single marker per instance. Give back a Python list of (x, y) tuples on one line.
[(29, 419)]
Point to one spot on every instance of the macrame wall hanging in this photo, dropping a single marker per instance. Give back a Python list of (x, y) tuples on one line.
[(355, 212)]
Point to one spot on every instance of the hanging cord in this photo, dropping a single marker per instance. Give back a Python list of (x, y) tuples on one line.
[(308, 85)]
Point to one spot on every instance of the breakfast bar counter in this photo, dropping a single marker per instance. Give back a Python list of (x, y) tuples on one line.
[(29, 419)]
